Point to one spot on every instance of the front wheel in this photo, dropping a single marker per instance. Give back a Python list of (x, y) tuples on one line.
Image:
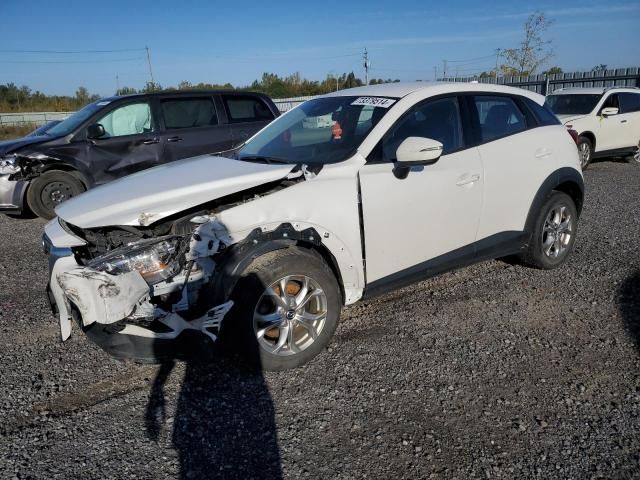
[(554, 233), (49, 190), (585, 149), (287, 306)]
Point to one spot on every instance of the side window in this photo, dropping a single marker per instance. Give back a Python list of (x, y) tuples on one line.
[(188, 112), (437, 119), (132, 119), (498, 117), (543, 115), (246, 109), (629, 102), (611, 101)]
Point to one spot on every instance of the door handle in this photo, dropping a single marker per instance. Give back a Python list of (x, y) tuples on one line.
[(542, 153), (151, 141), (623, 121), (174, 139), (467, 180)]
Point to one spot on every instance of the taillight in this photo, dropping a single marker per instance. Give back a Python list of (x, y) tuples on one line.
[(573, 134)]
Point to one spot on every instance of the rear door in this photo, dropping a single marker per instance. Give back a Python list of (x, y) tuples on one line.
[(516, 158), (191, 126), (247, 114), (130, 143)]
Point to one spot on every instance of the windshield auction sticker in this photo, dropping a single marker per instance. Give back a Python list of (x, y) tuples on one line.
[(374, 101)]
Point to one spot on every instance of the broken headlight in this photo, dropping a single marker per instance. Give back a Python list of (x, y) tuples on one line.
[(155, 259), (9, 165)]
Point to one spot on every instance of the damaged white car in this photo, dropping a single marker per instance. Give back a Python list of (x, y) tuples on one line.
[(264, 249)]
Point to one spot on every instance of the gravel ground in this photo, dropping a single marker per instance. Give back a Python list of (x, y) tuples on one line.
[(494, 371)]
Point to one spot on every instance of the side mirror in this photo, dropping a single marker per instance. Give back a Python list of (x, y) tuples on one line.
[(95, 131), (607, 112), (414, 151)]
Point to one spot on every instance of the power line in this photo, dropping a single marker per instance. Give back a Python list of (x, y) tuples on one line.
[(73, 61), (73, 51), (469, 60)]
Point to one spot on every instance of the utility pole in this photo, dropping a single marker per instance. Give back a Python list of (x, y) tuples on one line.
[(497, 57), (444, 70), (149, 62), (366, 66), (117, 84), (435, 74)]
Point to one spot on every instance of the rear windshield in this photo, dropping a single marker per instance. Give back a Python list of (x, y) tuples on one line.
[(572, 104)]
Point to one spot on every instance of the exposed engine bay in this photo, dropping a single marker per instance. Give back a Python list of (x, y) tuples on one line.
[(148, 281)]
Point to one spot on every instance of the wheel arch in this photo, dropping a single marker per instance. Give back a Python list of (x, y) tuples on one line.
[(236, 259), (64, 167), (567, 180), (591, 136)]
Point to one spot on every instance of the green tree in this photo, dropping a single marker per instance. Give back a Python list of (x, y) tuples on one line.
[(553, 71), (533, 50)]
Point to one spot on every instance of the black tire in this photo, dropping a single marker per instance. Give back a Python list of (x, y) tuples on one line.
[(50, 189), (538, 253), (585, 149), (239, 333)]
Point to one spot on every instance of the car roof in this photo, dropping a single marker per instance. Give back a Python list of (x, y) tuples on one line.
[(402, 89), (181, 93), (591, 90)]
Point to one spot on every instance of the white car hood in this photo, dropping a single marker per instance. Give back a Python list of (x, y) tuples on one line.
[(150, 195), (569, 118)]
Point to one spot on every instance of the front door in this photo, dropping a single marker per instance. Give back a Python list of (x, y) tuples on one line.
[(611, 135), (414, 226), (191, 127), (130, 143)]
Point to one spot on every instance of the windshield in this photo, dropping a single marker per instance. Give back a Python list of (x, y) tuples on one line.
[(72, 122), (572, 104), (323, 130)]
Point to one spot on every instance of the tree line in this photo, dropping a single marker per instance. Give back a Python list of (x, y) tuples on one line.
[(15, 98)]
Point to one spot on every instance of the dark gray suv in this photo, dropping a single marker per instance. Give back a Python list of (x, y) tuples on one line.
[(116, 136)]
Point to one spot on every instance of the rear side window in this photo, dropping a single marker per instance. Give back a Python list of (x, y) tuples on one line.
[(246, 109), (543, 115), (188, 113), (498, 117), (629, 102)]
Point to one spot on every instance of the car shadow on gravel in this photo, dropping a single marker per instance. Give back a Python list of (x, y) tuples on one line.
[(224, 421), (629, 304)]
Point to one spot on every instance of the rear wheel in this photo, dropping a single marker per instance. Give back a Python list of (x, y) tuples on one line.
[(287, 306), (50, 189), (585, 149), (554, 233)]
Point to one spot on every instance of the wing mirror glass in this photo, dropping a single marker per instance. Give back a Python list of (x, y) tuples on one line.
[(95, 131), (607, 112)]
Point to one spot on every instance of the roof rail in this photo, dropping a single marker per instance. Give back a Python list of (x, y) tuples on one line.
[(606, 89)]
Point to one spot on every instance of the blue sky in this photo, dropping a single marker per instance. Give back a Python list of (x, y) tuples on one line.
[(235, 42)]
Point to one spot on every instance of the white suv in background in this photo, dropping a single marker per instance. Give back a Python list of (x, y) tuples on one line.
[(607, 119)]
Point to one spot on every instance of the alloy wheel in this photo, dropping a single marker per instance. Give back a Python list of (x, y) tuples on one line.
[(557, 231), (290, 315), (585, 154)]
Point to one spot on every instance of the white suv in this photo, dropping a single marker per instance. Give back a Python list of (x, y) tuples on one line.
[(607, 119), (263, 249)]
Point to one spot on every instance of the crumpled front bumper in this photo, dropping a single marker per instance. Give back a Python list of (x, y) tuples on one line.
[(12, 194), (115, 312)]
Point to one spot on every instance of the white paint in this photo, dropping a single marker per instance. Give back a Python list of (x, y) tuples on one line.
[(610, 132), (412, 220), (158, 192)]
